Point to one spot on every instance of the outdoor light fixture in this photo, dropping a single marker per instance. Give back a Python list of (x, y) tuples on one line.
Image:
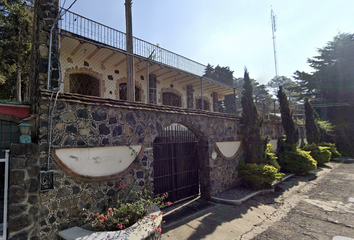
[(25, 129)]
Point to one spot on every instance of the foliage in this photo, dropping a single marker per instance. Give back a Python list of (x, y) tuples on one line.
[(322, 155), (331, 84), (262, 97), (312, 130), (332, 148), (292, 133), (258, 176), (288, 85), (223, 75), (220, 74), (296, 161), (15, 46), (129, 208), (254, 142), (332, 80), (325, 125), (271, 159)]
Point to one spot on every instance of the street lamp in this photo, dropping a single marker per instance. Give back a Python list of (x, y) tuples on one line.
[(25, 129)]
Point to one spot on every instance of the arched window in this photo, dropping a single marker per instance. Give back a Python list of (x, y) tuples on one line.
[(84, 84), (205, 104), (171, 99), (123, 92)]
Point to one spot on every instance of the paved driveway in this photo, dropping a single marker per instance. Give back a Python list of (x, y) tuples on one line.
[(304, 207)]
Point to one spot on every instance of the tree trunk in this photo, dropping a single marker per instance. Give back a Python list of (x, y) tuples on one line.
[(18, 82)]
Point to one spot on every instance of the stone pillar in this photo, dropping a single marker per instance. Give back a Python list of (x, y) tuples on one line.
[(152, 89), (215, 102), (45, 13), (23, 217), (190, 98)]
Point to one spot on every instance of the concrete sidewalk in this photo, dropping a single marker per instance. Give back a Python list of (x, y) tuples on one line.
[(259, 217)]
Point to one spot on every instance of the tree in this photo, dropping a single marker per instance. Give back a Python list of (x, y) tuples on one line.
[(312, 131), (333, 79), (292, 134), (262, 97), (331, 86), (253, 140), (15, 46), (223, 75)]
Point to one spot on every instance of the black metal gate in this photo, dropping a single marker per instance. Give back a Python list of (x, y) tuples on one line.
[(176, 163)]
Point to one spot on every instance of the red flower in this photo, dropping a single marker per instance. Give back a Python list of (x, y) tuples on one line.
[(122, 185), (121, 226), (159, 230)]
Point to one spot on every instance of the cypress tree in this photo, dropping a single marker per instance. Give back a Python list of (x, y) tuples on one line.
[(292, 134), (312, 130), (253, 140)]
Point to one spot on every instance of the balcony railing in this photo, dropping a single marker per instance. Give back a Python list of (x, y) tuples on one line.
[(98, 32), (95, 31)]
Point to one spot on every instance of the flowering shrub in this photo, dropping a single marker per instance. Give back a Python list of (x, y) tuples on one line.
[(130, 207)]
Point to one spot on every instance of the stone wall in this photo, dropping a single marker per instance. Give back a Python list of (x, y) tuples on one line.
[(91, 122), (24, 215)]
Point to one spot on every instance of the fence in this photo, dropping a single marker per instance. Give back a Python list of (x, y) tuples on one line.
[(3, 233), (95, 31)]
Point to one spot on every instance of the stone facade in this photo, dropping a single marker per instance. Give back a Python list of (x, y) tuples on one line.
[(86, 121), (24, 202), (190, 97), (93, 122)]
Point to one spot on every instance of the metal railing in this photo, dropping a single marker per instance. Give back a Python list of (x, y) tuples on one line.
[(95, 31)]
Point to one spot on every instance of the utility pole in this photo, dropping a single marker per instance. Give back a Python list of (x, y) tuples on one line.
[(274, 29), (130, 58)]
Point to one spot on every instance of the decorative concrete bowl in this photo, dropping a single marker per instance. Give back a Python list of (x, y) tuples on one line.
[(143, 229)]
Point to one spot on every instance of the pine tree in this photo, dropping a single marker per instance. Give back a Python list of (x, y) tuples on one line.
[(312, 130), (15, 46), (292, 134), (253, 140)]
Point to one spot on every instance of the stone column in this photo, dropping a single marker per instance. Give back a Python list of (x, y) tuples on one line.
[(45, 13), (152, 89), (215, 102), (190, 98), (24, 209)]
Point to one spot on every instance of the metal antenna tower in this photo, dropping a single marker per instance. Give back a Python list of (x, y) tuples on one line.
[(274, 29)]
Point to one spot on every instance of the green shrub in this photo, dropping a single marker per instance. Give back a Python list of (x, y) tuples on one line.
[(298, 161), (332, 148), (322, 155), (271, 159), (258, 176)]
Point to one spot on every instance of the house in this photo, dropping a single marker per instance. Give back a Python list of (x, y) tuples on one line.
[(85, 129)]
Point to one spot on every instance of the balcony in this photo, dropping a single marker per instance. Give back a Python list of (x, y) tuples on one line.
[(80, 26)]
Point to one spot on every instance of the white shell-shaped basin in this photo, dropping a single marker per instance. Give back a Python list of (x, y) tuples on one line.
[(98, 161), (228, 149)]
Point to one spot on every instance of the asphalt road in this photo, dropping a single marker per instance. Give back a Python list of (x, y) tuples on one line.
[(315, 206)]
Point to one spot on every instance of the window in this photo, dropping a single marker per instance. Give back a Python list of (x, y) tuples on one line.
[(84, 84), (123, 92), (171, 99), (9, 132), (205, 104)]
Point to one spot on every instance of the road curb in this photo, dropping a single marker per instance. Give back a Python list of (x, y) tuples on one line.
[(242, 200)]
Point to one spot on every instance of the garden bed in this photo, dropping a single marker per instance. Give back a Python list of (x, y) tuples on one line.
[(146, 228)]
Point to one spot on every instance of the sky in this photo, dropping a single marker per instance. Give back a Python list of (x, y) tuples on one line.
[(233, 33)]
